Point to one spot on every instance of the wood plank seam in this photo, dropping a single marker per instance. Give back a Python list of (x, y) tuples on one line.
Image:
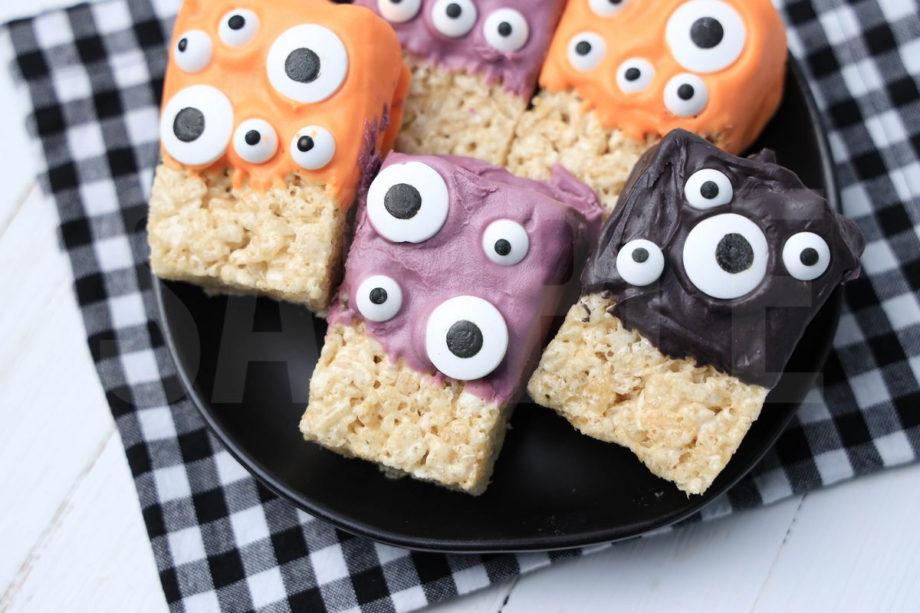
[(20, 202), (22, 575)]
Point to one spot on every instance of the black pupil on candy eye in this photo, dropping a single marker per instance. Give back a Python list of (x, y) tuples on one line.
[(640, 255), (378, 295), (183, 44), (583, 48), (302, 65), (464, 339), (504, 28), (402, 201), (734, 254), (633, 74), (305, 144), (253, 137), (685, 91), (709, 190), (236, 22), (502, 247), (188, 124), (706, 32), (809, 256), (453, 10)]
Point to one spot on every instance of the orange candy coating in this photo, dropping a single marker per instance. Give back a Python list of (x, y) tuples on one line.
[(742, 97), (373, 89)]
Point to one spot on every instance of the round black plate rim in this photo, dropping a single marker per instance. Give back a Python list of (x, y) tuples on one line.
[(543, 542)]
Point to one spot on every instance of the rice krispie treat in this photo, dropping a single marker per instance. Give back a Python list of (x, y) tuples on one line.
[(474, 70), (622, 73), (692, 306), (272, 116), (455, 273)]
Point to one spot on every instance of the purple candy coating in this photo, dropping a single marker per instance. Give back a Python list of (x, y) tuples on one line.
[(517, 71), (560, 218)]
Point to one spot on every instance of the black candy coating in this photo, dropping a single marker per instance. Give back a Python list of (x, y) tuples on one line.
[(750, 337)]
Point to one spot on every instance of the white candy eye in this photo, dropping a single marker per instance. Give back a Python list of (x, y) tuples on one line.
[(466, 338), (379, 298), (313, 147), (506, 30), (686, 95), (196, 125), (454, 18), (586, 50), (726, 256), (307, 63), (706, 35), (408, 203), (606, 8), (256, 141), (806, 256), (640, 262), (635, 75), (505, 242), (708, 188), (238, 27), (193, 51), (398, 11)]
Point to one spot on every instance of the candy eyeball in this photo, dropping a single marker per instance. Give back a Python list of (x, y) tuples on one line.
[(454, 18), (706, 35), (708, 188), (586, 50), (506, 30), (399, 11), (505, 242), (408, 203), (686, 95), (466, 338), (806, 256), (640, 262), (635, 75), (726, 256), (239, 27), (196, 125), (313, 147), (606, 8), (379, 298), (255, 141), (193, 51), (307, 63)]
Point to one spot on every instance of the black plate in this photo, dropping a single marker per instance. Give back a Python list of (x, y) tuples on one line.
[(246, 364)]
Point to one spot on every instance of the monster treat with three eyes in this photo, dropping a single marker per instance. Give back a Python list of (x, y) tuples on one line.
[(272, 115), (620, 74), (474, 70), (456, 270), (695, 305)]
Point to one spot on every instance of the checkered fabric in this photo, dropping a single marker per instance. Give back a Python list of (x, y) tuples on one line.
[(93, 75)]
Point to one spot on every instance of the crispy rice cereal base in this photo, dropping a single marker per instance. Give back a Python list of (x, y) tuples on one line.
[(363, 405), (448, 112), (683, 421), (285, 243), (557, 130)]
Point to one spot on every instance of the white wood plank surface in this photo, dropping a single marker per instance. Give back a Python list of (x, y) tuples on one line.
[(73, 538)]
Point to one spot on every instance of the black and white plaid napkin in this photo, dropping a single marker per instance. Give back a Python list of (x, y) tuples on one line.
[(93, 75)]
